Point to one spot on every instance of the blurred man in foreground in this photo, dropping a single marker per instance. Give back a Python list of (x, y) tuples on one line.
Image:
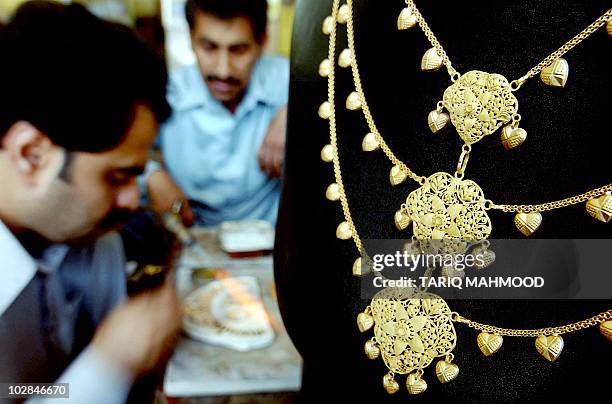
[(80, 106)]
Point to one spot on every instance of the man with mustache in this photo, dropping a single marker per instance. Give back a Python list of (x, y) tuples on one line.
[(80, 106), (223, 147)]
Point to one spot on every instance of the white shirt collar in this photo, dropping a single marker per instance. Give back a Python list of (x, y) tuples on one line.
[(17, 268)]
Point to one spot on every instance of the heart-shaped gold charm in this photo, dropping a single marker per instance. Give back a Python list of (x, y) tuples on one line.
[(346, 58), (344, 13), (556, 73), (402, 220), (512, 137), (600, 208), (431, 60), (451, 272), (606, 329), (370, 143), (397, 175), (328, 25), (327, 153), (528, 223), (437, 120), (415, 384), (332, 192), (406, 19), (390, 385), (609, 26), (549, 347), (359, 269), (446, 371), (364, 322), (372, 351), (325, 110), (343, 231), (353, 102), (325, 68), (489, 343)]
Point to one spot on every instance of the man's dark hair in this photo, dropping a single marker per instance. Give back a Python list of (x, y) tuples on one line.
[(255, 10), (76, 77)]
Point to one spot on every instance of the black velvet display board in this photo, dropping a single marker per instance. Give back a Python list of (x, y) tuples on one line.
[(566, 153)]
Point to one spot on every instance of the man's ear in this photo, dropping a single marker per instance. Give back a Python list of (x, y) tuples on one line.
[(29, 150)]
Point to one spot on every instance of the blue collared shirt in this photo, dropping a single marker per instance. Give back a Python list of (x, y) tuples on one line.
[(212, 153)]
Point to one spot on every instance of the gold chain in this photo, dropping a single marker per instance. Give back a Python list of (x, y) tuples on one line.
[(511, 332), (595, 320), (595, 193), (547, 61)]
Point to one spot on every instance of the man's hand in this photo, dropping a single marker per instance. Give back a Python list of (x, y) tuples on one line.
[(139, 334), (272, 151), (163, 193)]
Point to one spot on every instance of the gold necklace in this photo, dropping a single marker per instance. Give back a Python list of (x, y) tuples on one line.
[(413, 327), (453, 197)]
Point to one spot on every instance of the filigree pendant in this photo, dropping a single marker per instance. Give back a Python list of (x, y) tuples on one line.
[(448, 208), (411, 329), (479, 103)]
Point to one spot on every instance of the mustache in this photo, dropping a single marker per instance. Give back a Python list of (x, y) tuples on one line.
[(116, 217), (228, 80)]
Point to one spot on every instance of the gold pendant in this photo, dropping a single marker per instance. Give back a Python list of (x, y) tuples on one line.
[(328, 25), (479, 103), (397, 175), (556, 73), (372, 350), (512, 137), (431, 61), (401, 219), (325, 68), (411, 329), (406, 19), (609, 26), (325, 110), (353, 102), (600, 208), (414, 383), (343, 14), (446, 207), (332, 192), (358, 269), (346, 58), (446, 371), (343, 231), (390, 385), (487, 257), (528, 223), (549, 347), (370, 143), (327, 153), (489, 343), (437, 120), (606, 329)]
